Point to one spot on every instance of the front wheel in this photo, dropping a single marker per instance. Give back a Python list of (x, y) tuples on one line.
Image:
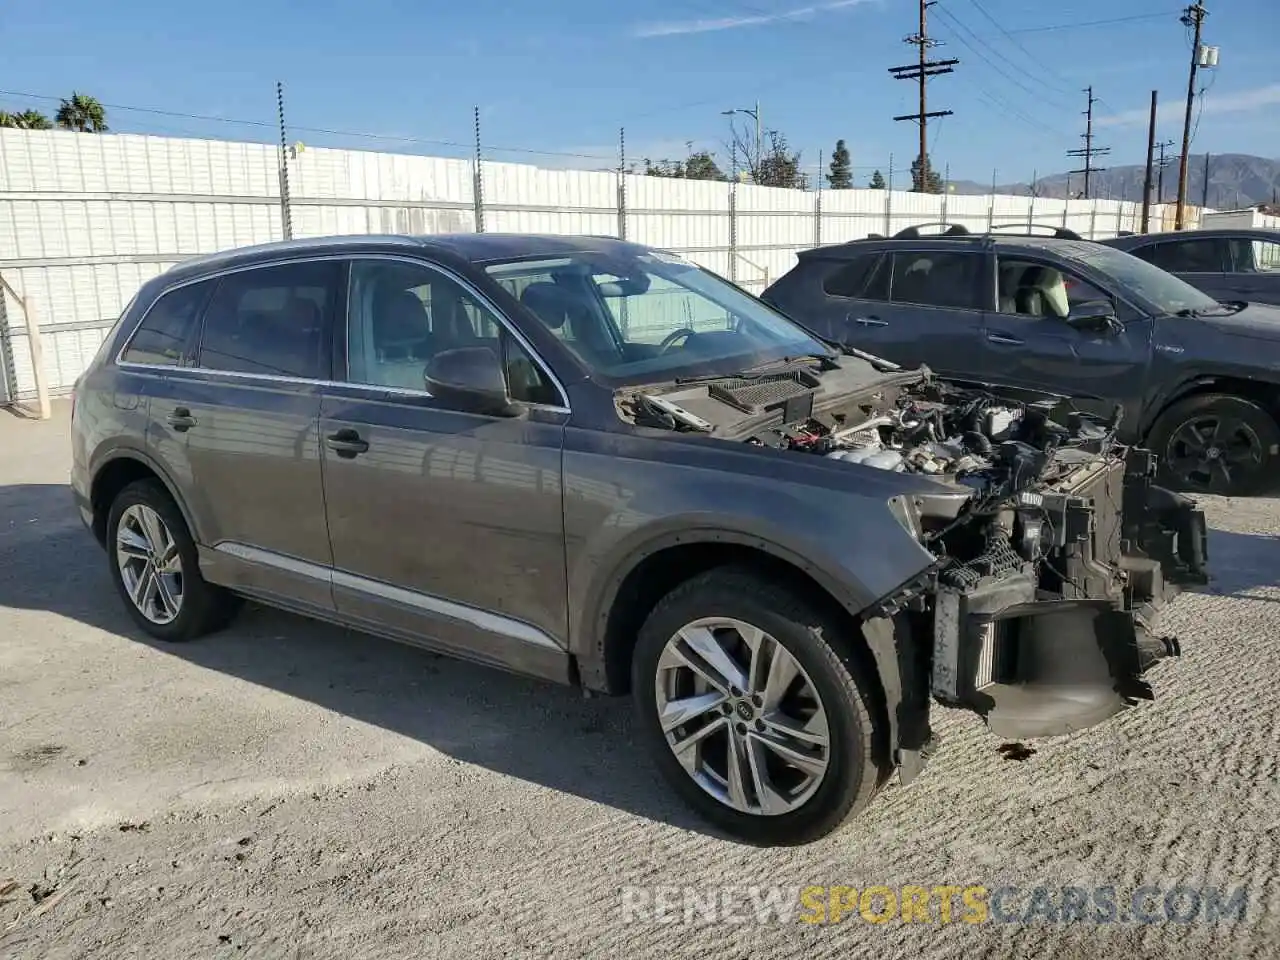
[(1216, 443), (755, 709)]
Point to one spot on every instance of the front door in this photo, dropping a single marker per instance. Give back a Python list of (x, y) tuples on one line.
[(1031, 346), (237, 422), (446, 526)]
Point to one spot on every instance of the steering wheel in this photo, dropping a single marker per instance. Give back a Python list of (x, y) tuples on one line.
[(675, 336)]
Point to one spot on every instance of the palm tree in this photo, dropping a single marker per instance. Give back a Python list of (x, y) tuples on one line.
[(83, 114), (26, 120)]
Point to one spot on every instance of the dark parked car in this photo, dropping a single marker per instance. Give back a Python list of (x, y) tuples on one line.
[(1197, 381), (1225, 264), (593, 462)]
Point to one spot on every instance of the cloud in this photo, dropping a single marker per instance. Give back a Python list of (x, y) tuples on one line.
[(1242, 101), (672, 28)]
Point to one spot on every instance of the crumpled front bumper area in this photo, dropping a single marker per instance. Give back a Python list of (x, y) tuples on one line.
[(1049, 652)]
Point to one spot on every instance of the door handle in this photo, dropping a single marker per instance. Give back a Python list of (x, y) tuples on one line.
[(346, 443), (869, 321), (1004, 339), (181, 419)]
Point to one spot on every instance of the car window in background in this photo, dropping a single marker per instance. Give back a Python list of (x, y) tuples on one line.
[(937, 279), (272, 320), (1256, 256), (165, 330), (1027, 288), (1157, 289), (849, 279), (1208, 255)]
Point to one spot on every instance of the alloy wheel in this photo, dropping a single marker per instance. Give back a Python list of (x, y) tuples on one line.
[(150, 564), (1213, 453), (742, 716)]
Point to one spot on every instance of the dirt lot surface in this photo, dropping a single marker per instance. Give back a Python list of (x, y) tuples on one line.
[(286, 789)]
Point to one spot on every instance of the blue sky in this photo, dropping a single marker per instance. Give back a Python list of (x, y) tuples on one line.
[(564, 75)]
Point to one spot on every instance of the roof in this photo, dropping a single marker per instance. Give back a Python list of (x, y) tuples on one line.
[(991, 241), (1211, 233)]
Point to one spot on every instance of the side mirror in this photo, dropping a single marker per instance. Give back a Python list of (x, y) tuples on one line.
[(1094, 316), (469, 379)]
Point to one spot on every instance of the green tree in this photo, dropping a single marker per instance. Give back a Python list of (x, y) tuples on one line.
[(26, 120), (877, 181), (930, 182), (778, 166), (840, 175), (83, 114), (699, 165)]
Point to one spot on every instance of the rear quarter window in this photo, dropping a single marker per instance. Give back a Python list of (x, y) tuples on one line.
[(166, 330)]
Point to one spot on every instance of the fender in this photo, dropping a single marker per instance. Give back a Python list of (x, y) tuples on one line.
[(1165, 399), (141, 456)]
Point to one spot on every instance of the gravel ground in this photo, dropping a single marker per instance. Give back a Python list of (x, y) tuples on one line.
[(286, 789)]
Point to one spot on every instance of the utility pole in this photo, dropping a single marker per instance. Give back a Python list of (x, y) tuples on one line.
[(921, 71), (1204, 201), (1193, 17), (1089, 151), (1161, 146), (1151, 158)]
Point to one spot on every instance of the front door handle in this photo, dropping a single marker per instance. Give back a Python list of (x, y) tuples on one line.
[(346, 443), (181, 419), (868, 321), (1005, 339)]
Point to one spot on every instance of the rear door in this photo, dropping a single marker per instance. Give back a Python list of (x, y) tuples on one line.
[(238, 425), (1256, 269), (910, 306), (1204, 262)]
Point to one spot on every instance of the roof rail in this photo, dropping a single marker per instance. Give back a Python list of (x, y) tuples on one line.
[(1058, 233), (913, 233)]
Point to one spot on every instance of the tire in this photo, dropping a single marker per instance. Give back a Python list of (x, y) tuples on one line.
[(200, 607), (1246, 443), (821, 648)]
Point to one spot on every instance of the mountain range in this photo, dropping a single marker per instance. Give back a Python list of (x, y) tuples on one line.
[(1236, 180)]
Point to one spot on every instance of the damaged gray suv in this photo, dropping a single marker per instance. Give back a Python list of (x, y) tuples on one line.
[(596, 463)]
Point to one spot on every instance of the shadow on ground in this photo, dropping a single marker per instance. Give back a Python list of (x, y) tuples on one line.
[(539, 732)]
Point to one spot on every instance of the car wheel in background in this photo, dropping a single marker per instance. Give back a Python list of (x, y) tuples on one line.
[(1216, 443), (754, 709)]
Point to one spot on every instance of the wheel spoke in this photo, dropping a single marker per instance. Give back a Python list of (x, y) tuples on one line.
[(738, 764), (702, 641), (153, 529), (770, 800), (812, 764), (149, 588), (1221, 469), (170, 562), (783, 669), (165, 594), (139, 586), (686, 750), (132, 544), (676, 713), (814, 732), (755, 640)]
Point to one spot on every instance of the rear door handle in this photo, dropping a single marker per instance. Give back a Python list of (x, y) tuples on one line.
[(1004, 339), (346, 443), (181, 419), (868, 321)]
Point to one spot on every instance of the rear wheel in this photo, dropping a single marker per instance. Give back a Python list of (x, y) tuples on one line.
[(754, 709), (1216, 443), (155, 567)]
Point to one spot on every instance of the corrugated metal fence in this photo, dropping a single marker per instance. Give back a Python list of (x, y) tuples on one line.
[(86, 218)]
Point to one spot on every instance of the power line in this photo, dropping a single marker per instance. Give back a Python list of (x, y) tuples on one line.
[(1007, 74), (1027, 53), (1082, 24)]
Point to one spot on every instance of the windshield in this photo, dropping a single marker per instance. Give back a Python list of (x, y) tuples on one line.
[(1162, 292), (648, 316)]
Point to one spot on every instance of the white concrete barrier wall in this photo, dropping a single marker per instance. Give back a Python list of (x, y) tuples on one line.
[(85, 219)]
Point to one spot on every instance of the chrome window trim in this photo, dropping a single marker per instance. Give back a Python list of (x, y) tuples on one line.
[(485, 620), (503, 320), (349, 258)]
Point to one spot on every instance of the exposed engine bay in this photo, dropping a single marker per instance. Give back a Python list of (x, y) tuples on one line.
[(1052, 546)]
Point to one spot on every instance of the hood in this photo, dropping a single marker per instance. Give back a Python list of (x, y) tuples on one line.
[(1260, 321)]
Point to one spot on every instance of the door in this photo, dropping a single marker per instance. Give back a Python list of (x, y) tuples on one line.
[(446, 526), (1256, 269), (918, 307), (238, 423), (1204, 262), (1031, 346)]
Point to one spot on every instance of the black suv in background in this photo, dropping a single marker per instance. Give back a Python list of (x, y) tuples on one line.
[(1226, 264), (1195, 380), (594, 462)]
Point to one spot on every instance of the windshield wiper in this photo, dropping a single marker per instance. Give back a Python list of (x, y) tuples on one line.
[(1220, 309), (761, 370)]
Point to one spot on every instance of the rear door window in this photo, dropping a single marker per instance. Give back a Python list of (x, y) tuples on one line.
[(1209, 255), (165, 332), (936, 278), (275, 320), (850, 278)]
